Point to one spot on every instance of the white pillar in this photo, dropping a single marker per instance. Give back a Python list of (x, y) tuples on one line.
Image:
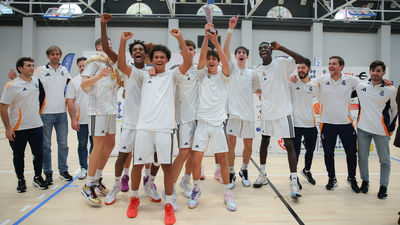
[(384, 45), (317, 45), (247, 39), (172, 43), (28, 37), (97, 29)]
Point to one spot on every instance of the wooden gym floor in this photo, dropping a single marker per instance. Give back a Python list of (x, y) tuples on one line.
[(63, 203)]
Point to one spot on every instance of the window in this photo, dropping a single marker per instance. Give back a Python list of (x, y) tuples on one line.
[(72, 7), (279, 12), (5, 10), (139, 9), (216, 11)]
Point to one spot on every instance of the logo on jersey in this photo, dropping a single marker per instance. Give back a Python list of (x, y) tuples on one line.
[(124, 147), (328, 83), (24, 89), (344, 82), (382, 93), (310, 89), (230, 130), (265, 78), (47, 75), (36, 86), (297, 88), (62, 73), (149, 82), (364, 89)]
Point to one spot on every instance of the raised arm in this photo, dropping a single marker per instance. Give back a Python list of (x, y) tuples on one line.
[(227, 44), (89, 81), (187, 60), (125, 36), (298, 58), (214, 39), (204, 47), (104, 39)]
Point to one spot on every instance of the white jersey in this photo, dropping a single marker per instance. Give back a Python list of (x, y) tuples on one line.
[(74, 91), (303, 103), (187, 96), (378, 107), (241, 86), (274, 82), (133, 94), (157, 110), (102, 96), (213, 95), (54, 83), (23, 100), (334, 97)]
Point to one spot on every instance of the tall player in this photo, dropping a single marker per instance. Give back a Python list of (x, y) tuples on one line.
[(276, 117)]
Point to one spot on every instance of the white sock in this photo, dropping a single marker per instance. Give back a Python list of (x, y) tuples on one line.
[(226, 187), (232, 169), (262, 167), (196, 184), (125, 171), (135, 193), (244, 166), (217, 167), (98, 174), (89, 181), (146, 172), (117, 179), (293, 175), (186, 177), (168, 199)]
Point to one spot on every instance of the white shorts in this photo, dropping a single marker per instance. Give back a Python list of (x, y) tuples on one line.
[(279, 128), (149, 142), (185, 134), (127, 140), (241, 128), (102, 124), (213, 136)]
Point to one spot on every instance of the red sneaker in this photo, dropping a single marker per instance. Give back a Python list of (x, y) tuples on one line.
[(132, 208), (169, 214)]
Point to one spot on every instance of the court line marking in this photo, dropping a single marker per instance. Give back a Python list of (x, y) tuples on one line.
[(24, 217), (42, 196), (25, 208), (5, 222)]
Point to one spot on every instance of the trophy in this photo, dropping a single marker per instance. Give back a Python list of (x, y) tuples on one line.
[(208, 10)]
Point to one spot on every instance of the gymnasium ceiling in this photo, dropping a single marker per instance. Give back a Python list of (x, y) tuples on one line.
[(304, 13)]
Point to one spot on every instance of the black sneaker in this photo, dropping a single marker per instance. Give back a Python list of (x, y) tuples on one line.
[(40, 183), (21, 186), (308, 176), (332, 183), (382, 194), (65, 176), (353, 184), (245, 178), (49, 179), (364, 186), (232, 178), (298, 182)]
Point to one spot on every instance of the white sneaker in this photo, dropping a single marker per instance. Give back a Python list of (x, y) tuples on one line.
[(295, 189), (187, 191), (229, 201), (174, 204), (112, 195), (217, 176), (82, 174), (152, 192), (261, 180)]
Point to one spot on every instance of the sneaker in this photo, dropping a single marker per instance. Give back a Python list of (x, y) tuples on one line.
[(112, 195), (132, 208), (364, 186), (100, 187), (295, 188), (185, 185), (173, 203), (229, 202), (202, 176), (82, 175), (39, 183), (382, 194), (308, 176), (261, 180), (232, 178), (49, 179), (353, 184), (21, 186), (152, 192), (245, 178), (169, 218), (217, 176), (90, 195), (298, 182), (332, 183), (125, 183), (146, 179), (65, 176), (194, 198)]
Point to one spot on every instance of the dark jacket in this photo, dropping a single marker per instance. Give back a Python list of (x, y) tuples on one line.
[(397, 138)]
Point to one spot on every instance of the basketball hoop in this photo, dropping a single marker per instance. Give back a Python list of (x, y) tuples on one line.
[(59, 13)]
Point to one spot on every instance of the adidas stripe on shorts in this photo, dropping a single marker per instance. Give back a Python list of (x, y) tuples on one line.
[(99, 125), (185, 134)]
